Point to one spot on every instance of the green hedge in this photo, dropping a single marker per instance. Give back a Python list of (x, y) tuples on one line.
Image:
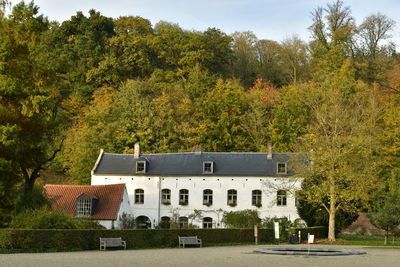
[(89, 239), (320, 232)]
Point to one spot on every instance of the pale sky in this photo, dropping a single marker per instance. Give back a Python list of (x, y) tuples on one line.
[(268, 19)]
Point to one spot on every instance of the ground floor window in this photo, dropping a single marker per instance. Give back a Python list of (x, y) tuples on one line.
[(183, 222), (207, 222), (143, 222)]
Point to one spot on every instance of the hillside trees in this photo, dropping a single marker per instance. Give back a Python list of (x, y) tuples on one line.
[(79, 43), (333, 31), (163, 115), (127, 54)]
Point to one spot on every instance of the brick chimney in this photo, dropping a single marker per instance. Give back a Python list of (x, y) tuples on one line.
[(269, 151), (136, 153), (197, 149)]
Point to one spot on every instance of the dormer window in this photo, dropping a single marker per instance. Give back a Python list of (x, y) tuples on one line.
[(281, 168), (140, 166), (208, 167), (85, 205)]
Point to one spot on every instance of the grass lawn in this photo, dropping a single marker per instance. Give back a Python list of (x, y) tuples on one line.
[(366, 240)]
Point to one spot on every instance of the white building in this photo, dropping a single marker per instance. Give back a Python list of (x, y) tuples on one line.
[(213, 182)]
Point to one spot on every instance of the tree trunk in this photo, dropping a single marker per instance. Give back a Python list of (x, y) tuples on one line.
[(331, 228), (386, 237), (30, 178), (332, 211)]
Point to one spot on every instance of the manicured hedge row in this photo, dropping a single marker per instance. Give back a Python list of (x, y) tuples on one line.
[(89, 239), (320, 232)]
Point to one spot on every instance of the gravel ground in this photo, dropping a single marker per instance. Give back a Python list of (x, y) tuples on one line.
[(209, 256)]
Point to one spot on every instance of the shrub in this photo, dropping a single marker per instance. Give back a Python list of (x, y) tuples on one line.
[(89, 239), (49, 219), (241, 219), (127, 221), (35, 199)]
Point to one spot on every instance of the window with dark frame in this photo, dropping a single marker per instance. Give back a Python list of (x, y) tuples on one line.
[(232, 197), (84, 207), (208, 167), (281, 198), (166, 196), (281, 168), (207, 197), (207, 222), (183, 197), (139, 196), (256, 198), (140, 166), (183, 222)]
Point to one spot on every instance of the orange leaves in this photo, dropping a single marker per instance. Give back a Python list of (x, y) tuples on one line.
[(266, 92)]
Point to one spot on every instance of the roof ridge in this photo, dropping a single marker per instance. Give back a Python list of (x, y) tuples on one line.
[(70, 185), (204, 152)]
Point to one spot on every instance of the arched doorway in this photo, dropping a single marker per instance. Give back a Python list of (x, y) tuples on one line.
[(165, 222), (143, 222), (207, 222)]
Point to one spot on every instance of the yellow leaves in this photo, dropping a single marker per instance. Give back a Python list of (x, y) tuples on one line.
[(8, 135), (34, 104)]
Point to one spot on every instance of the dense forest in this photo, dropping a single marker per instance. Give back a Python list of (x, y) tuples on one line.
[(69, 89)]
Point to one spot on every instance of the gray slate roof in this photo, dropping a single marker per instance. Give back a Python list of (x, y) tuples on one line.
[(191, 164)]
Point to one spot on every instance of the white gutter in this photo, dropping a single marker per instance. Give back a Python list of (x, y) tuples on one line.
[(98, 161)]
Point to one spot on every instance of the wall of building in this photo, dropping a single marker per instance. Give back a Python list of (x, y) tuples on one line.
[(107, 223), (124, 208), (153, 209)]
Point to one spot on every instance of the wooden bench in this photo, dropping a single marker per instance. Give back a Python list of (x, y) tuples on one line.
[(188, 240), (111, 242)]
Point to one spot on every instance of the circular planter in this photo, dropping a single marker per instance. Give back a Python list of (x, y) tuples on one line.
[(310, 251)]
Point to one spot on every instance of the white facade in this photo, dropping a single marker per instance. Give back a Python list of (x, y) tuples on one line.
[(125, 207), (154, 209)]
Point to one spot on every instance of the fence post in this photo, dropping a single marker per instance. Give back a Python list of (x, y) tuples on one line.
[(256, 234)]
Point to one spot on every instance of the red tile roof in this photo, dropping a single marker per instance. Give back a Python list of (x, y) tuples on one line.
[(63, 197)]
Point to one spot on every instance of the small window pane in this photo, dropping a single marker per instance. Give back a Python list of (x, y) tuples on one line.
[(208, 167), (281, 198), (232, 197), (281, 168), (140, 166), (207, 222), (207, 197), (139, 196), (84, 207), (256, 198), (166, 196), (183, 222), (183, 197)]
